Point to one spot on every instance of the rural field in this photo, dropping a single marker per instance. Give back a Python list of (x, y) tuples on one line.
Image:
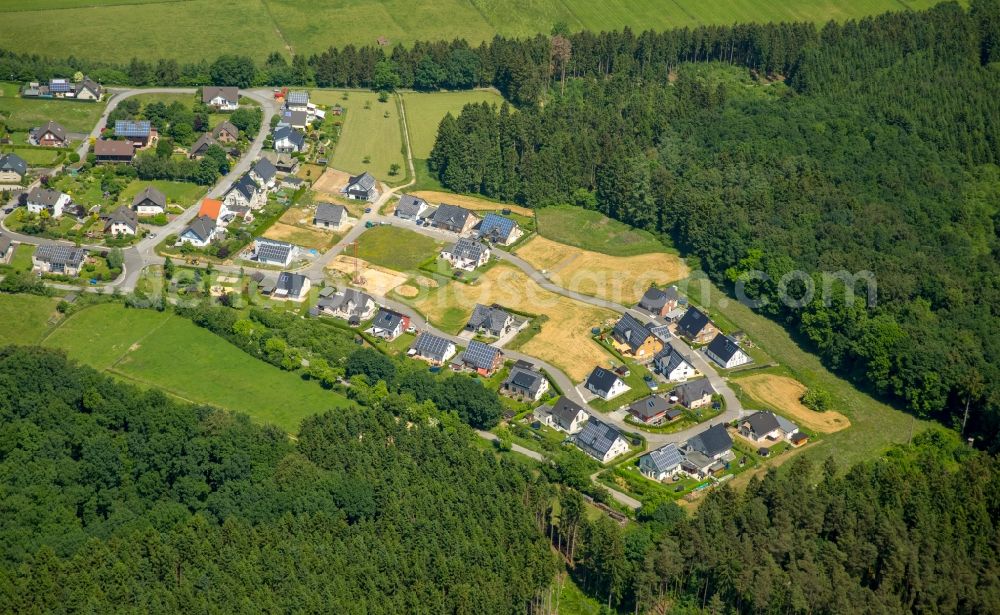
[(169, 352), (592, 230), (22, 114), (190, 29), (396, 248), (622, 279), (783, 394), (424, 111), (469, 202), (564, 339), (371, 130), (25, 318)]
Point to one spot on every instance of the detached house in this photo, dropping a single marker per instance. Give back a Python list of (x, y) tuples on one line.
[(714, 442), (244, 192), (524, 382), (121, 222), (52, 134), (226, 132), (149, 202), (663, 463), (221, 98), (764, 426), (453, 218), (297, 101), (264, 173), (13, 168), (564, 415), (330, 216), (59, 259), (605, 383), (658, 301), (726, 351), (272, 252), (88, 89), (291, 287), (695, 394), (201, 146), (351, 305), (601, 441), (287, 140), (489, 320), (696, 326), (107, 151), (43, 199), (295, 119), (498, 229), (361, 188), (653, 410), (633, 338), (431, 348), (389, 324), (673, 365), (200, 232), (482, 358), (410, 207), (467, 254)]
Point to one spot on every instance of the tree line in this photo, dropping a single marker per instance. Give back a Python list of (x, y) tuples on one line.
[(879, 154)]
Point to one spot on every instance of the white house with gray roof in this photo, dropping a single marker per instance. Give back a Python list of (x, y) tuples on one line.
[(223, 98), (44, 199), (200, 232), (410, 207), (291, 287), (564, 415), (467, 254), (524, 382), (726, 352), (361, 188), (490, 320), (149, 202), (432, 348), (673, 365), (454, 218), (330, 216), (349, 304), (662, 463), (13, 168), (601, 441), (59, 259), (765, 426), (605, 383)]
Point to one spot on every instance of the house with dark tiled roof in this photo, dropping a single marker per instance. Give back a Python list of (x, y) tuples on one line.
[(633, 338), (201, 146), (44, 199), (108, 151), (662, 463), (88, 89), (330, 216), (264, 173), (653, 410), (524, 382), (714, 442), (467, 254), (59, 259), (226, 132), (51, 134), (454, 218), (605, 383), (764, 426), (13, 168), (121, 222), (361, 188), (659, 301), (696, 326), (489, 320), (294, 119), (601, 441), (564, 415), (498, 229), (674, 365), (222, 98), (410, 207), (245, 191), (694, 394), (389, 324), (726, 352), (287, 140), (274, 252), (149, 202), (200, 232), (432, 348), (349, 304), (291, 287), (481, 358)]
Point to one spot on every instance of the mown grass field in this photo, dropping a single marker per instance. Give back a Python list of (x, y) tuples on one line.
[(117, 30), (22, 114), (371, 130), (35, 156), (169, 352), (396, 248), (592, 230), (181, 193), (424, 111)]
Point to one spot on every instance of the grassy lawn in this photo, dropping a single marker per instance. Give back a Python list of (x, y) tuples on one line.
[(396, 248), (24, 318), (424, 112), (592, 230), (25, 113), (373, 133), (874, 425), (181, 193), (34, 156), (187, 100), (171, 353), (21, 259)]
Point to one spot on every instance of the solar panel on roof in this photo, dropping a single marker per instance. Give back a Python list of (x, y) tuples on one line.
[(480, 355), (494, 223), (132, 128)]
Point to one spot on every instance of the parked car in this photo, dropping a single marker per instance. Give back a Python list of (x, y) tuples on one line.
[(651, 382)]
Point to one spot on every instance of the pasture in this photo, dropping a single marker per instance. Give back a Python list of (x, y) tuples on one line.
[(171, 353), (189, 30), (592, 230), (396, 248), (22, 114), (622, 279), (371, 132), (25, 318), (424, 111)]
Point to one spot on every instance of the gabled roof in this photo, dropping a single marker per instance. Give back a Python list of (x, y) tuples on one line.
[(44, 196), (663, 459), (201, 227), (695, 389), (713, 441), (525, 379), (601, 379), (493, 318), (565, 410), (670, 358), (496, 227), (226, 126), (629, 331), (245, 185), (597, 438), (432, 346), (264, 170), (149, 193), (762, 422), (648, 407), (410, 205), (54, 127), (387, 319), (655, 298), (287, 132), (294, 118), (58, 254), (480, 355), (786, 425), (349, 300), (204, 142), (13, 162), (272, 250), (108, 147), (468, 248), (451, 215), (122, 215), (210, 208), (328, 212), (88, 84), (724, 347), (132, 128), (291, 283), (364, 182), (298, 98), (230, 94), (60, 85), (693, 321)]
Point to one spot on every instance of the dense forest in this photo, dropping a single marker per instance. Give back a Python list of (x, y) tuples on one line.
[(115, 497), (878, 153)]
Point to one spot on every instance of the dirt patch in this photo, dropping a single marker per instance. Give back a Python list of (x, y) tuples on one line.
[(296, 215), (331, 181), (783, 394), (469, 202), (564, 339), (426, 282), (407, 291), (307, 238), (378, 280), (622, 279)]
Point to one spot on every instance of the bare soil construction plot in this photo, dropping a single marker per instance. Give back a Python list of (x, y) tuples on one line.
[(331, 181), (469, 202), (783, 393), (378, 280), (564, 339), (618, 278)]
